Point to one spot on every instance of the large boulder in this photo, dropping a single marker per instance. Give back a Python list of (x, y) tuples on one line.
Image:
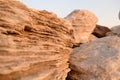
[(34, 45), (97, 60), (83, 23), (100, 31)]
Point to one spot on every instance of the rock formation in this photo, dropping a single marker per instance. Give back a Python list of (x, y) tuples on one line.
[(92, 38), (83, 22), (100, 31), (116, 30), (97, 60), (34, 45), (111, 34)]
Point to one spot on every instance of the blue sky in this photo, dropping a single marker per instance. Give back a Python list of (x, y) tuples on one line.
[(106, 10)]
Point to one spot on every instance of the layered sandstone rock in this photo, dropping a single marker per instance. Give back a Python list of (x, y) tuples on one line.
[(34, 45), (83, 22), (100, 31), (98, 60)]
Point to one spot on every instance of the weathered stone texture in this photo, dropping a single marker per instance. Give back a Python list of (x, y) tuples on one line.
[(116, 30), (83, 22), (97, 60), (34, 45)]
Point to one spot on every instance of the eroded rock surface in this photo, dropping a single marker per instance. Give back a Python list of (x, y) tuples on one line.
[(34, 45), (97, 60), (83, 22)]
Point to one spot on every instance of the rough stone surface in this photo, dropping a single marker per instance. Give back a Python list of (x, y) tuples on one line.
[(100, 31), (34, 45), (92, 38), (116, 30), (97, 60), (83, 22), (111, 34)]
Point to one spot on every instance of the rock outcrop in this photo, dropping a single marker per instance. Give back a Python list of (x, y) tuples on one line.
[(97, 60), (83, 22), (34, 45), (100, 31)]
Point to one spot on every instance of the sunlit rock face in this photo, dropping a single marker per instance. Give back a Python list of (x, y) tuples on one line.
[(34, 45), (97, 60), (83, 22)]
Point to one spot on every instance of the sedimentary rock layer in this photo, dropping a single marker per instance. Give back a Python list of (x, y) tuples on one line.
[(34, 45)]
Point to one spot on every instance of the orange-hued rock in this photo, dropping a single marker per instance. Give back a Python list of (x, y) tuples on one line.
[(83, 22), (92, 38), (97, 60), (34, 45)]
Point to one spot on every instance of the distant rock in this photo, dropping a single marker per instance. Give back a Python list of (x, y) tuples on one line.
[(100, 31), (97, 60), (116, 30), (34, 45), (83, 22), (111, 34)]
